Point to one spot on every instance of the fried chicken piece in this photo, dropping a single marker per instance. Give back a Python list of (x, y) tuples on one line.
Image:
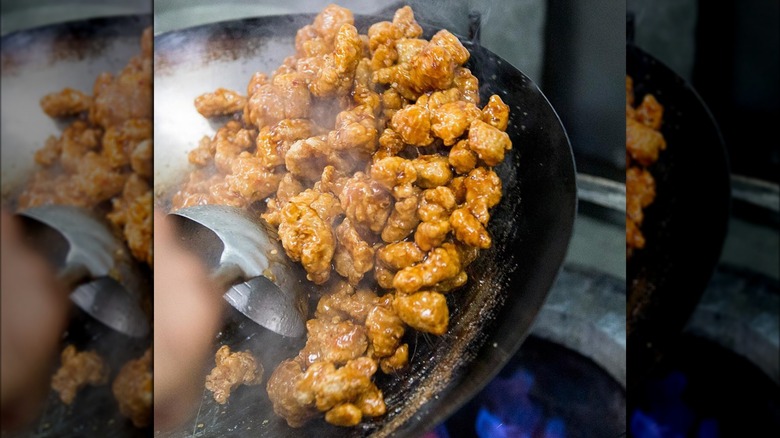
[(385, 330), (366, 202), (204, 188), (221, 102), (68, 102), (390, 144), (423, 311), (462, 158), (643, 143), (355, 129), (257, 80), (434, 211), (233, 370), (306, 159), (468, 84), (469, 230), (354, 256), (450, 120), (307, 238), (286, 97), (403, 219), (332, 73), (345, 414), (203, 154), (77, 370), (132, 213), (496, 113), (141, 158), (325, 386), (640, 193), (397, 362), (432, 171), (483, 191), (650, 113), (634, 236), (333, 341), (229, 141), (399, 255), (250, 179), (132, 389), (442, 263), (121, 141), (393, 171), (413, 124), (488, 142), (346, 303), (432, 68), (282, 391), (76, 140)]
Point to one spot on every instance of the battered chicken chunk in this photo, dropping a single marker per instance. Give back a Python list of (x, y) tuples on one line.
[(308, 239), (219, 103), (372, 158), (67, 102), (132, 389), (232, 371), (424, 311), (644, 142), (282, 390), (77, 370)]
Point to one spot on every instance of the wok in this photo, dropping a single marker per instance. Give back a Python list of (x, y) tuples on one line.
[(508, 284), (686, 225), (37, 62)]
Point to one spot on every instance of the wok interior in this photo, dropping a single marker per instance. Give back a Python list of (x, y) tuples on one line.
[(685, 226), (508, 283)]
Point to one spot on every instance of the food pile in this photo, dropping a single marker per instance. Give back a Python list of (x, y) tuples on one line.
[(644, 142), (372, 157), (103, 161)]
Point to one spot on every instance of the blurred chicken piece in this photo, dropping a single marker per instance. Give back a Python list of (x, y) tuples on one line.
[(78, 369), (132, 389), (232, 371)]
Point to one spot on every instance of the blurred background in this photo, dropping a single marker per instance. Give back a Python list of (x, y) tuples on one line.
[(722, 374)]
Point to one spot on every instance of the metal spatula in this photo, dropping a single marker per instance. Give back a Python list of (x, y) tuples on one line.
[(245, 257), (104, 280)]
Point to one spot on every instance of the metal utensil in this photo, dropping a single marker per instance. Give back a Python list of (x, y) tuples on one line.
[(245, 257), (92, 262)]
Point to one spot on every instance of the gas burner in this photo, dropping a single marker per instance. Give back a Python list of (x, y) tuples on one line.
[(546, 391), (704, 390)]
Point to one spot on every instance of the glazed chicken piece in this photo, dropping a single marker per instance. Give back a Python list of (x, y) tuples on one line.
[(77, 370), (643, 143), (132, 389), (442, 263), (221, 102), (67, 102), (232, 371), (282, 390), (336, 342), (132, 213), (423, 311), (307, 238), (327, 387)]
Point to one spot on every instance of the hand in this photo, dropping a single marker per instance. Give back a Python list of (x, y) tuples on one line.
[(187, 313), (34, 312)]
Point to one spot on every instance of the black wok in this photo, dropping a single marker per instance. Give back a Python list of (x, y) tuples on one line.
[(685, 226), (37, 62), (490, 317)]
